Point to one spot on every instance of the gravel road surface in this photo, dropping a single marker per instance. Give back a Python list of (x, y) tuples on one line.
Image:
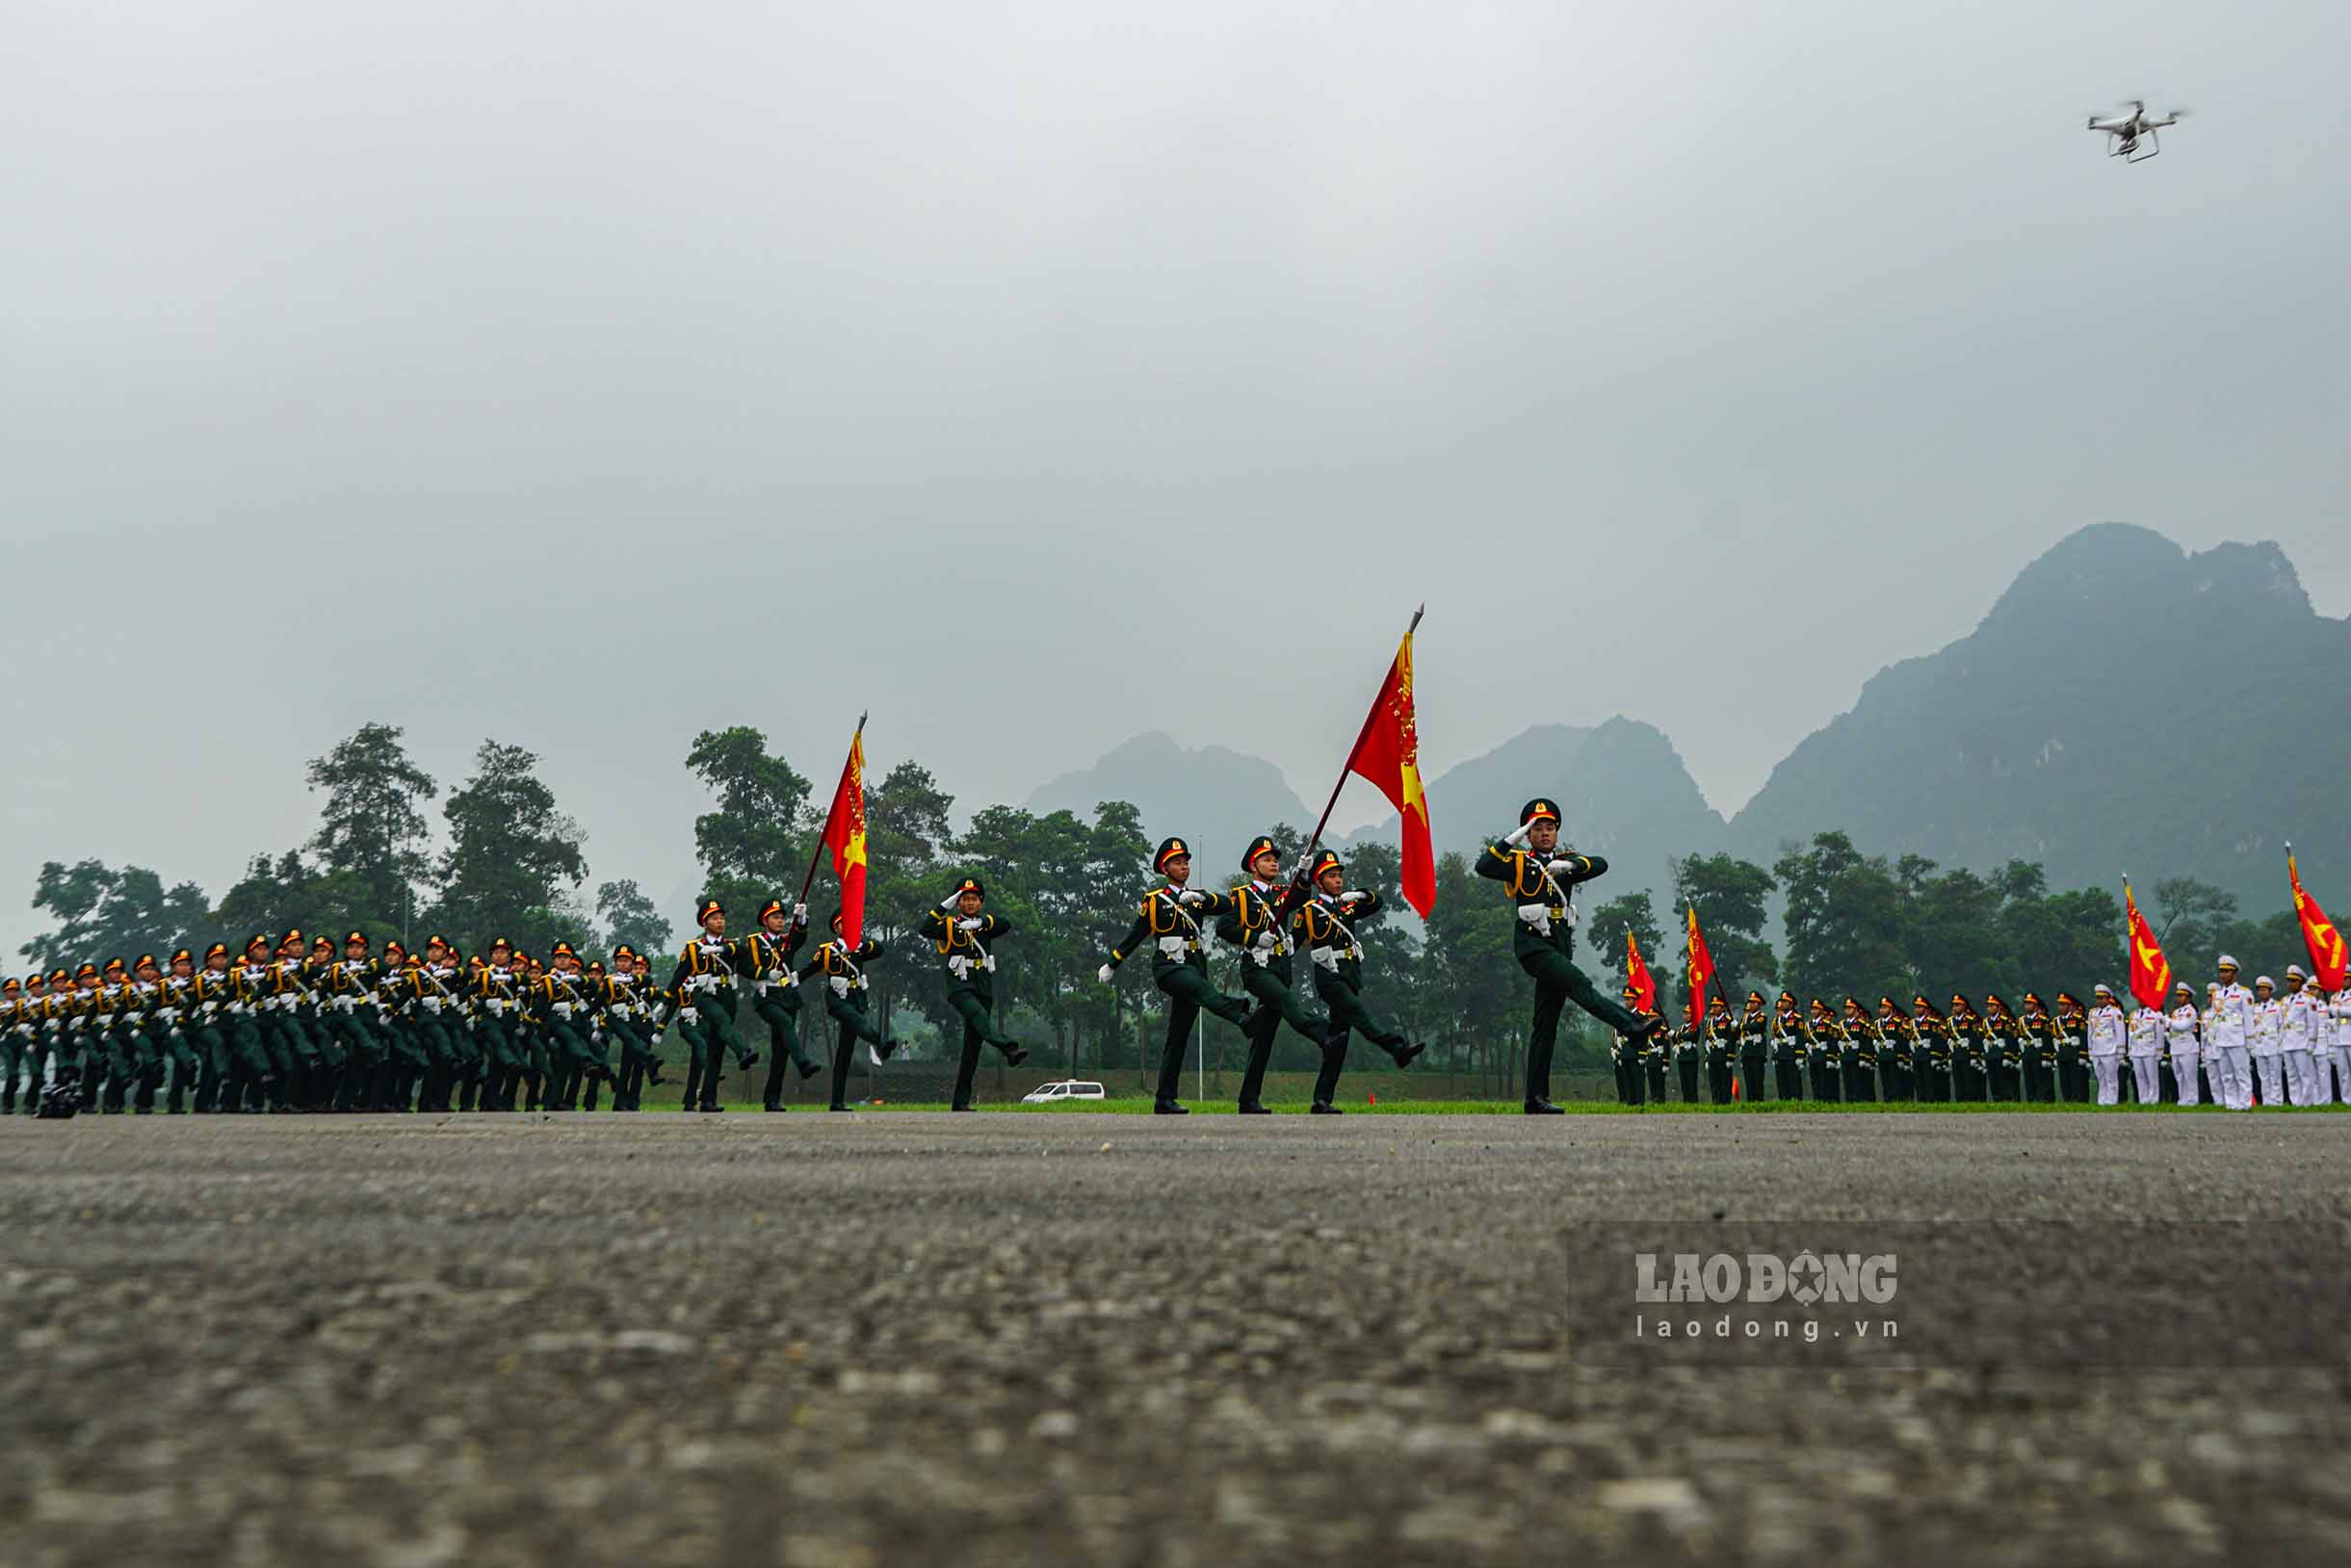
[(926, 1339)]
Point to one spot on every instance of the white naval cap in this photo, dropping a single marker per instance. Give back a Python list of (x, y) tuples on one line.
[(2226, 963), (2259, 980), (2102, 989), (2183, 989), (2294, 972)]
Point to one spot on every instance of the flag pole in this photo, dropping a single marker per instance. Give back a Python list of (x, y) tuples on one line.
[(808, 881), (1346, 767)]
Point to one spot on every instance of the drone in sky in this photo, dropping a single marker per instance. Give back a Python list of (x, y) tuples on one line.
[(2132, 136)]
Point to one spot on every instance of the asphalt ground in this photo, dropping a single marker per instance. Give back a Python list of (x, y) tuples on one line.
[(906, 1338)]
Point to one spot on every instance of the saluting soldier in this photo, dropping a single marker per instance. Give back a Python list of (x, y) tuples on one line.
[(843, 970), (1538, 876), (964, 934), (1324, 927), (764, 960), (1829, 1045), (704, 986), (1169, 919), (1258, 924)]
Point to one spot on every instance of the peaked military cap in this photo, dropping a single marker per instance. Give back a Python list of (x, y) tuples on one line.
[(146, 960), (1168, 850), (774, 906), (705, 909), (2226, 963), (113, 966), (393, 945), (177, 954), (562, 950), (59, 977), (624, 951), (9, 987), (356, 939), (436, 940), (1538, 809), (497, 942), (969, 884), (1262, 845), (87, 971), (1325, 861), (219, 948)]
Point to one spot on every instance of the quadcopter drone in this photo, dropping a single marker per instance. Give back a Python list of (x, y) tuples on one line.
[(2132, 136)]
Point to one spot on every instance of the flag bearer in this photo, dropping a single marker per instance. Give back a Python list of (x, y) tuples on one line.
[(842, 969), (1324, 927), (1258, 924)]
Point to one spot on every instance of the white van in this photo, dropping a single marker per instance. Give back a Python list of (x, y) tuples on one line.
[(1068, 1089)]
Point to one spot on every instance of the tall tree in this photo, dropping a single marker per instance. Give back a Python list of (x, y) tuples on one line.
[(630, 917), (103, 913), (371, 828), (1476, 994), (1729, 896), (906, 829), (1633, 912), (510, 855), (755, 845), (1844, 922)]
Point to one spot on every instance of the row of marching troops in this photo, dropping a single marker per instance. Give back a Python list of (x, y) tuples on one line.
[(2269, 1045), (291, 1025)]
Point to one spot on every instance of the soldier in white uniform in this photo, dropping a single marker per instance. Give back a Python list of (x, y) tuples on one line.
[(2147, 1055), (2265, 1037), (2227, 1020), (2341, 1053), (2106, 1030), (2179, 1035), (2303, 1033)]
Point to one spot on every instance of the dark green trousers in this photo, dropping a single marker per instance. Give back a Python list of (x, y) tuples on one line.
[(1557, 981), (978, 1011), (1272, 988), (1189, 994), (1350, 1017), (779, 1008)]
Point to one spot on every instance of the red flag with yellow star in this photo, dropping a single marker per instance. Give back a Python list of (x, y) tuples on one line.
[(2318, 933), (1388, 753), (1642, 983), (1701, 970), (844, 836), (2151, 972)]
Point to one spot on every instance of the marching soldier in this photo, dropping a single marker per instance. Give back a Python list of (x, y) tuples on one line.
[(1258, 925), (1864, 1040), (1169, 919), (16, 1032), (1754, 1036), (1538, 876), (349, 1014), (1790, 1041), (55, 1087), (495, 991), (1324, 925), (964, 935), (764, 960), (559, 995), (1830, 1042), (842, 969), (704, 986), (625, 1013)]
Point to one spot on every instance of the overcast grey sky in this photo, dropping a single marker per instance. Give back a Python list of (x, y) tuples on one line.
[(587, 375)]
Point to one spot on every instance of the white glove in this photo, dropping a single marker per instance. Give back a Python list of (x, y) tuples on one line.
[(689, 1015), (1560, 866), (968, 925), (1267, 939), (1353, 895), (800, 914), (1104, 974), (1519, 837), (1191, 894), (949, 902)]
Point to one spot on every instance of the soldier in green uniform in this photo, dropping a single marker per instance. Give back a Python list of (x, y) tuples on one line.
[(1537, 876), (145, 1045), (1721, 1053), (346, 989), (1653, 1057), (656, 1007), (494, 991), (1897, 1051), (2073, 1021), (765, 959), (623, 1013), (1790, 1041), (1829, 1045), (560, 997), (704, 986), (2038, 1070), (842, 969), (432, 991), (1324, 927), (1169, 919), (1864, 1042), (1934, 1053), (964, 935), (106, 1041), (2003, 1051), (1258, 925), (57, 1066), (1690, 1054), (1753, 1033), (16, 1032), (1624, 1055), (1970, 1057)]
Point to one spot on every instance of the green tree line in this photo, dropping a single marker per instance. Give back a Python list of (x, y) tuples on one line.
[(508, 861)]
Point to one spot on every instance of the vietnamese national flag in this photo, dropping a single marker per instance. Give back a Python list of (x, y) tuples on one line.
[(1388, 753), (1701, 970), (2151, 972), (2318, 933), (844, 836), (1643, 984)]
